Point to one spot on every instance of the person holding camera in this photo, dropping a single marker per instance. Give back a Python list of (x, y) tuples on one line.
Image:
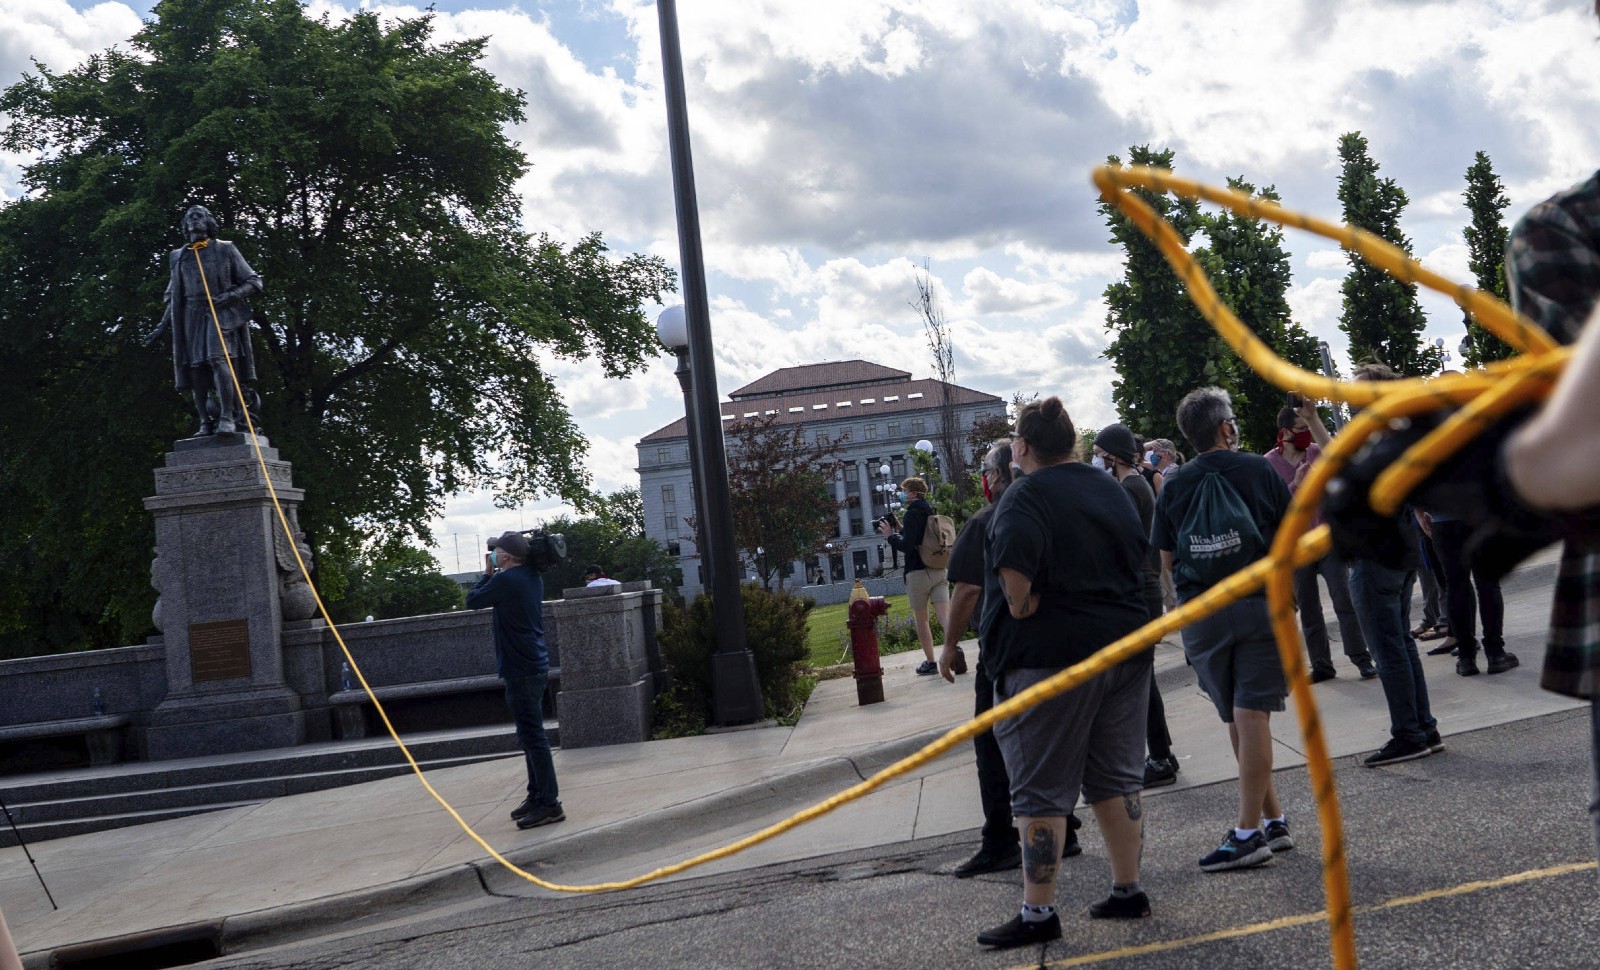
[(923, 585), (515, 590)]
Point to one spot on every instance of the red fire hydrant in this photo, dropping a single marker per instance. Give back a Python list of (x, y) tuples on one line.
[(863, 624)]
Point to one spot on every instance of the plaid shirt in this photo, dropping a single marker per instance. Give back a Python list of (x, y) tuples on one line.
[(1553, 263)]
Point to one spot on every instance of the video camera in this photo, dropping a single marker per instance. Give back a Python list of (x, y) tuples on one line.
[(889, 518), (545, 549)]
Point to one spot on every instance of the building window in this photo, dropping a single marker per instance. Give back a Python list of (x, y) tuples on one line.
[(871, 431), (669, 510), (919, 426), (894, 429), (661, 456), (668, 496), (822, 437)]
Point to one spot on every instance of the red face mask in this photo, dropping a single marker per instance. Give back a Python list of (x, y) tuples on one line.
[(1301, 440), (987, 495)]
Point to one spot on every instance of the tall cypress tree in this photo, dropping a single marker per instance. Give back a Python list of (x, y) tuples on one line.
[(1250, 270), (1381, 315), (1163, 347), (1486, 237)]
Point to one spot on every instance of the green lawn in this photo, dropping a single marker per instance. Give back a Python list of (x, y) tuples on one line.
[(827, 637)]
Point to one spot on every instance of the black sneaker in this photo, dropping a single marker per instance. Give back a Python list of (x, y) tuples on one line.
[(1467, 666), (1368, 669), (1159, 772), (1236, 853), (542, 815), (989, 860), (1136, 906), (927, 667), (1398, 750), (1435, 743), (1277, 836), (1503, 663), (523, 809), (1318, 676), (1015, 932)]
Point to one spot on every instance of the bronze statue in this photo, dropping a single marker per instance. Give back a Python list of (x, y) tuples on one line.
[(199, 357)]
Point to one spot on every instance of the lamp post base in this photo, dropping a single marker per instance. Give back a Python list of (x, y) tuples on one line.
[(735, 689)]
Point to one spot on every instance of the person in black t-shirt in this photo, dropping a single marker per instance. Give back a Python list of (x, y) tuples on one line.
[(999, 850), (1062, 582), (1234, 652), (1119, 450)]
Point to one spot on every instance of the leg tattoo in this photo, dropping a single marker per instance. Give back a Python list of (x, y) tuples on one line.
[(1134, 806), (1040, 854)]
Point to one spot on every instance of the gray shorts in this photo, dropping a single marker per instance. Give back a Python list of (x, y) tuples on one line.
[(1235, 658), (924, 586), (1091, 739)]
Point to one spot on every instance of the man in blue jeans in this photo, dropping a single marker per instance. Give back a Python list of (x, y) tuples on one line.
[(516, 592)]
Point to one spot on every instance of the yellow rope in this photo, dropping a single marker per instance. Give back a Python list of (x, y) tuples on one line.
[(1483, 396)]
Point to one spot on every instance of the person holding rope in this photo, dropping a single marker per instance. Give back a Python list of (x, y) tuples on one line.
[(1218, 514), (1062, 580)]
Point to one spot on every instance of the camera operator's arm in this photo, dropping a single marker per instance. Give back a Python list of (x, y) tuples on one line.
[(1319, 431), (1551, 461)]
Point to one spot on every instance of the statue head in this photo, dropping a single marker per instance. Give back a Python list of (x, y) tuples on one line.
[(198, 223)]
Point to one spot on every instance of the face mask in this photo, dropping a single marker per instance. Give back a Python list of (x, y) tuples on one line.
[(1150, 457), (1301, 439), (900, 496), (1098, 462), (988, 495)]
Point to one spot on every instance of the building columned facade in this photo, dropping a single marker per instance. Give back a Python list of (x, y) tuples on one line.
[(875, 413)]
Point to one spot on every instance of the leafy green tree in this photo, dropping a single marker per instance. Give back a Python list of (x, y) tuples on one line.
[(1486, 237), (389, 579), (612, 536), (365, 171), (1163, 347), (1381, 315), (1249, 267), (781, 491)]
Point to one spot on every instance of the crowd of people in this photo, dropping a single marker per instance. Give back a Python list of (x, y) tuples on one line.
[(1073, 551)]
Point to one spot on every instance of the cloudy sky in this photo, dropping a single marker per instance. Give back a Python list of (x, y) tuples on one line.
[(840, 143)]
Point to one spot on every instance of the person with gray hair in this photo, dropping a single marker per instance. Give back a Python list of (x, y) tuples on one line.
[(1216, 514)]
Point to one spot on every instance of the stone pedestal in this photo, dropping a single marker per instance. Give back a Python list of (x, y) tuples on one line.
[(227, 581), (606, 686)]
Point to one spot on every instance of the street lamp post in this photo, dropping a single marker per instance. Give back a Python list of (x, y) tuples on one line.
[(735, 690), (673, 332)]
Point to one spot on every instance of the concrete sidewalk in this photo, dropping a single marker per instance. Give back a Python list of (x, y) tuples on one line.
[(357, 857)]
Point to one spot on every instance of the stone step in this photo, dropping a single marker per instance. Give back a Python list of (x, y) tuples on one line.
[(58, 804), (306, 759), (228, 792)]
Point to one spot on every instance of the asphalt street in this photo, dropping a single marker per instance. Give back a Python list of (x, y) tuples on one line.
[(1478, 857)]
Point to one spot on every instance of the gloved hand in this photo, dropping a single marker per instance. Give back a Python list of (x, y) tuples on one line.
[(1471, 487)]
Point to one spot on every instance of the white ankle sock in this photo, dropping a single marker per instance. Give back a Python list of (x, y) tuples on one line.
[(1037, 914)]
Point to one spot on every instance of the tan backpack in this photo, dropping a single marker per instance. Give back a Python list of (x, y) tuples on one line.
[(937, 541)]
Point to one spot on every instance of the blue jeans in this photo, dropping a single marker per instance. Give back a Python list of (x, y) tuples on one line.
[(525, 697), (1383, 601)]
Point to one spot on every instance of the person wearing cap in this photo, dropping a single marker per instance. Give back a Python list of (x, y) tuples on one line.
[(516, 593), (1117, 451), (593, 575), (923, 585)]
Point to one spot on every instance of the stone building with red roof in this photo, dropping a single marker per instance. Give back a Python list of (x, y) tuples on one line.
[(875, 412)]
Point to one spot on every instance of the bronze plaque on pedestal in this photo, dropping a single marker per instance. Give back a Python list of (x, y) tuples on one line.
[(219, 651)]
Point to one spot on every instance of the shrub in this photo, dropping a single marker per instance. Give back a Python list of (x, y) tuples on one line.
[(775, 631), (898, 633)]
